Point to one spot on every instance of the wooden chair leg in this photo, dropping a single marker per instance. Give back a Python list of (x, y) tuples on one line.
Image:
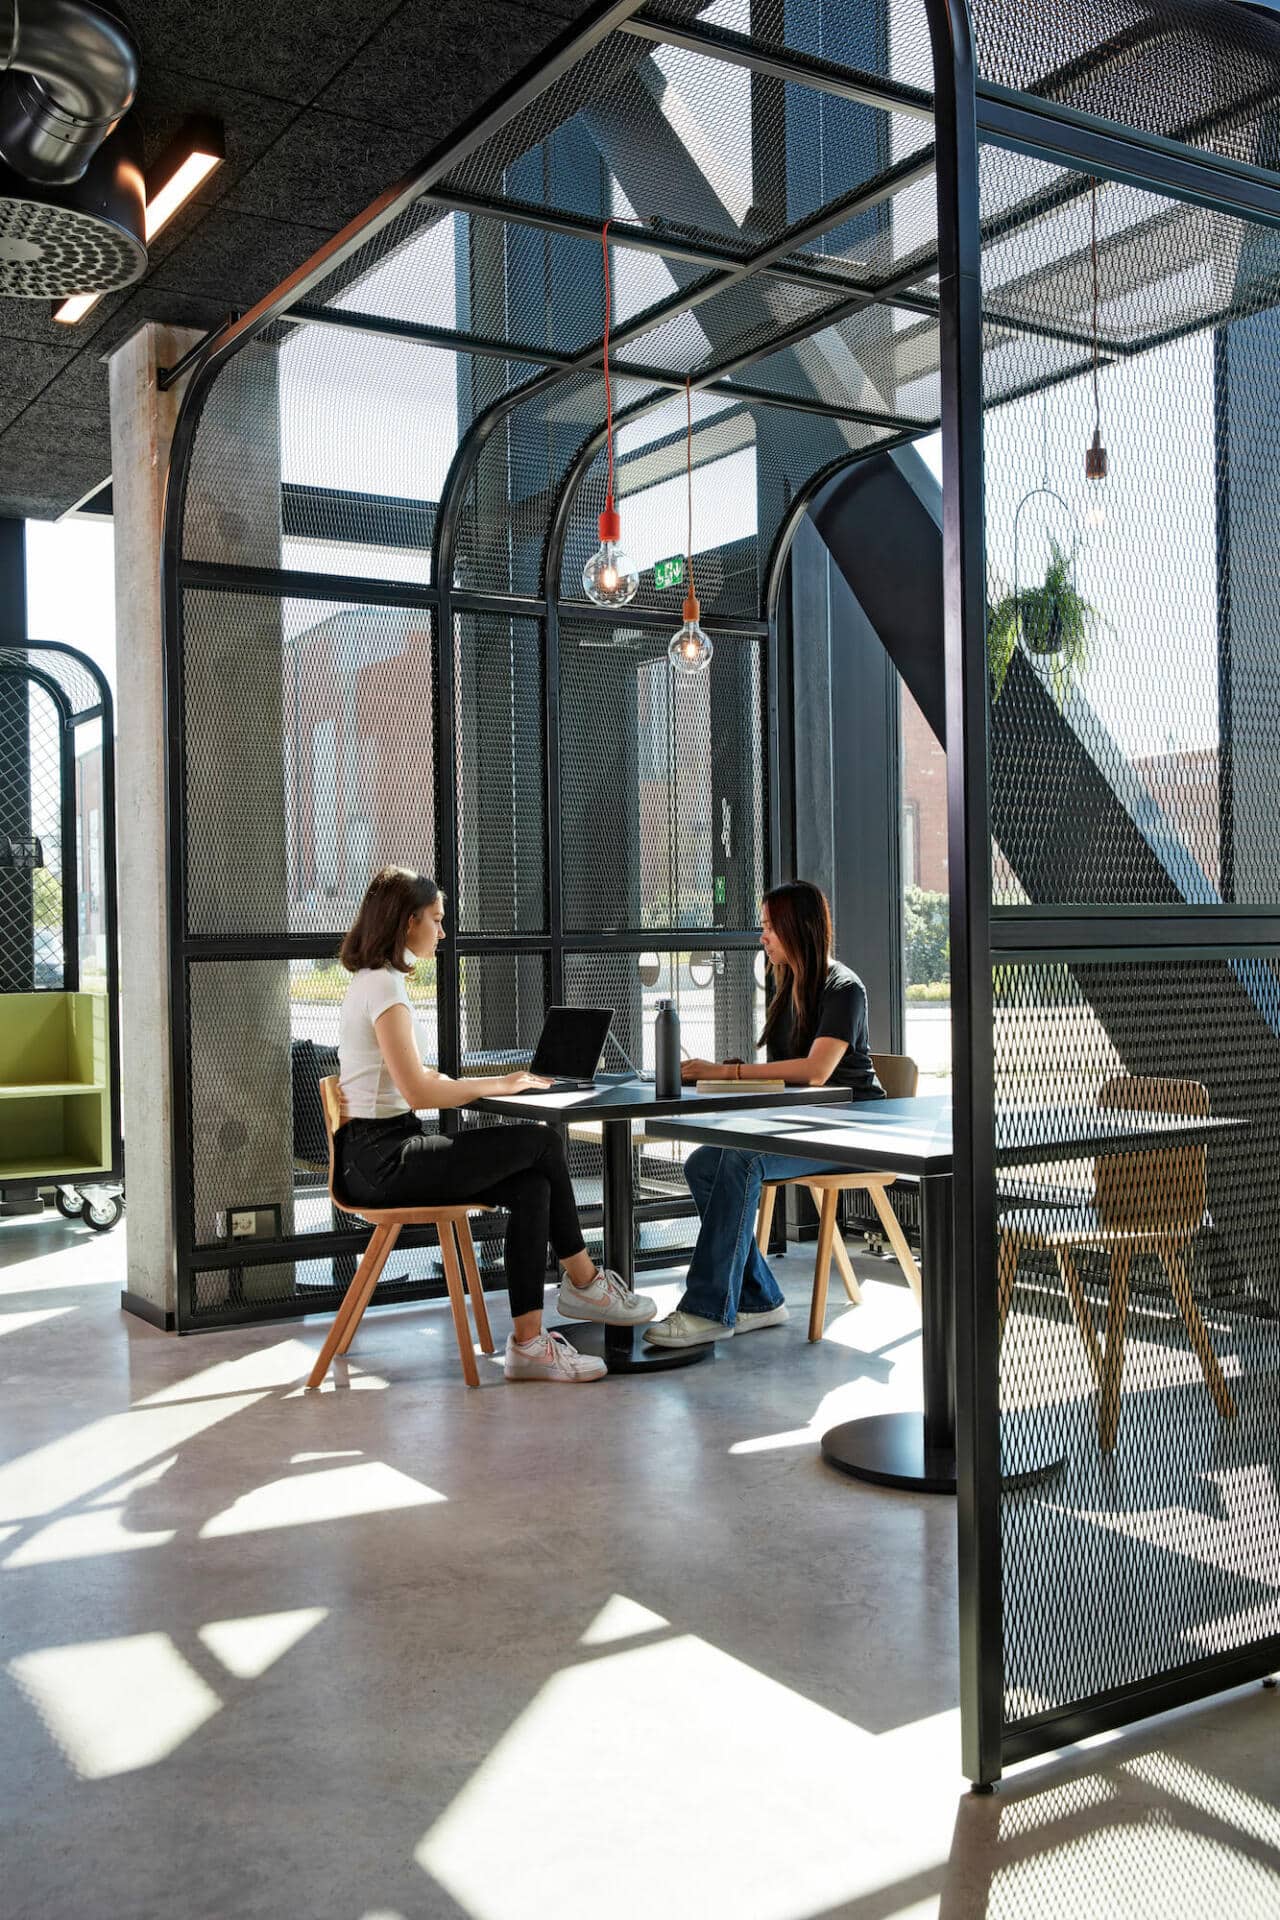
[(1080, 1306), (1180, 1280), (391, 1235), (764, 1218), (895, 1236), (822, 1262), (1113, 1354), (372, 1260), (839, 1250), (472, 1270), (1006, 1275), (457, 1300)]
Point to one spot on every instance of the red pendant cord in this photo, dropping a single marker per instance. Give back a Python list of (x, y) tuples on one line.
[(608, 384)]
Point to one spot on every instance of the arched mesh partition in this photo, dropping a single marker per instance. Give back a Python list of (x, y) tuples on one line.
[(386, 482)]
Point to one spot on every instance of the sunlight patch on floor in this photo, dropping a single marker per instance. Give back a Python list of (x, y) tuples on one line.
[(333, 1493), (621, 1619), (82, 1536), (739, 1796), (79, 1463), (19, 1322), (112, 1706), (248, 1646)]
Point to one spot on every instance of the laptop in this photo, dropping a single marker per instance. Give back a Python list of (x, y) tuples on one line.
[(570, 1046)]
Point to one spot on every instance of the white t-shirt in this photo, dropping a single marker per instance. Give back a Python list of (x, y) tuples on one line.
[(368, 1090)]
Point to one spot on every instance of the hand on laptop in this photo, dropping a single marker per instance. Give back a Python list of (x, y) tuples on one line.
[(523, 1083)]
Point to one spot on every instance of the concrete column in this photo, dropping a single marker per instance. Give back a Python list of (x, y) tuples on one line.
[(142, 422)]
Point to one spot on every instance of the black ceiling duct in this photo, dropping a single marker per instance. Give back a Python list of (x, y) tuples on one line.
[(72, 197)]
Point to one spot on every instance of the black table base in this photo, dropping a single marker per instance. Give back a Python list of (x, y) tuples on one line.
[(889, 1450), (624, 1349)]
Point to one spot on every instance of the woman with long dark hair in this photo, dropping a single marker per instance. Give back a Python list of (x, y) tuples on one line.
[(815, 1035), (384, 1158)]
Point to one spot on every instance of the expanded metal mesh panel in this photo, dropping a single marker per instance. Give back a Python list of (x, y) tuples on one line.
[(651, 491), (262, 1034), (662, 781), (1136, 688), (1162, 265), (720, 999), (744, 317), (501, 775), (891, 41), (308, 759), (1139, 1358), (511, 491), (718, 994), (881, 358), (503, 999), (31, 750), (636, 130), (229, 1295), (331, 446), (498, 280), (81, 689), (879, 243), (1200, 71)]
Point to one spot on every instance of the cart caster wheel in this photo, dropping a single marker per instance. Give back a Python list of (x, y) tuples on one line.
[(69, 1205), (102, 1217)]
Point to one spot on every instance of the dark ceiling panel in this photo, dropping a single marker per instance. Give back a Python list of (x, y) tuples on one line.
[(431, 66), (236, 258), (323, 168), (24, 369), (324, 106), (281, 48)]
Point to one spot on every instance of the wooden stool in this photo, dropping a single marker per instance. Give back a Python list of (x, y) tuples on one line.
[(386, 1223), (899, 1076)]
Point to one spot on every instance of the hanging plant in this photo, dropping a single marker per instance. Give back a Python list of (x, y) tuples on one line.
[(1052, 621)]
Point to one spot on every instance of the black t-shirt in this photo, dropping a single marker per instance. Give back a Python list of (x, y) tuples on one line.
[(842, 1015)]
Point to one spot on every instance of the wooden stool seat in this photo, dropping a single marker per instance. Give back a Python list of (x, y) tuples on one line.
[(457, 1250), (899, 1077)]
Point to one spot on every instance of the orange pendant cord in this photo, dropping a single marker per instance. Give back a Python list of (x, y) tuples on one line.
[(692, 610)]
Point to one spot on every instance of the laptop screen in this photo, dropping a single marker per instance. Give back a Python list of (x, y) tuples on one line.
[(572, 1042)]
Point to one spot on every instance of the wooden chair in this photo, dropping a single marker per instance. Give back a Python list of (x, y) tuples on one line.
[(386, 1223), (1151, 1201), (899, 1076)]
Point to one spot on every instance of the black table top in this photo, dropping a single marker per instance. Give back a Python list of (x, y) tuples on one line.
[(638, 1100), (914, 1136)]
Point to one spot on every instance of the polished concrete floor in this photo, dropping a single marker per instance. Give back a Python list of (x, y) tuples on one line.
[(397, 1651)]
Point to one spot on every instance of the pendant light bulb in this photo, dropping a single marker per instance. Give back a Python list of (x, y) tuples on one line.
[(610, 577), (691, 649)]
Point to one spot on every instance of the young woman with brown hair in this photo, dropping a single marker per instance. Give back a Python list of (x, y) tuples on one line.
[(383, 1156), (815, 1035)]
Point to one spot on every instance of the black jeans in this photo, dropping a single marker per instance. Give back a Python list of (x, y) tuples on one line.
[(393, 1163)]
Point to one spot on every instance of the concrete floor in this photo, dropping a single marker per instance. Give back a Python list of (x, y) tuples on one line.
[(398, 1651)]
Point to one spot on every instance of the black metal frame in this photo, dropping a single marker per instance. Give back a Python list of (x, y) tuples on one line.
[(20, 667), (968, 111)]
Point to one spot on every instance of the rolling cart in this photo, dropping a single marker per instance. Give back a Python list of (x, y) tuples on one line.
[(59, 969)]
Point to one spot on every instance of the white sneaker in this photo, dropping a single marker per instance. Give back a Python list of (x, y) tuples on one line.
[(770, 1317), (553, 1360), (686, 1330), (607, 1300)]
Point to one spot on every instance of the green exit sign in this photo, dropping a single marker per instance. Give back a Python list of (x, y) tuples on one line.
[(669, 573)]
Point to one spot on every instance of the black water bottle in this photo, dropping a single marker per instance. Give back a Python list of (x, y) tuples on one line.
[(666, 1040)]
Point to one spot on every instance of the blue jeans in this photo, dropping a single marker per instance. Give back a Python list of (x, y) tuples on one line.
[(728, 1274)]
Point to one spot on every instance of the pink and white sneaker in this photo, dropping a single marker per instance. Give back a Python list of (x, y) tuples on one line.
[(552, 1359), (608, 1301)]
